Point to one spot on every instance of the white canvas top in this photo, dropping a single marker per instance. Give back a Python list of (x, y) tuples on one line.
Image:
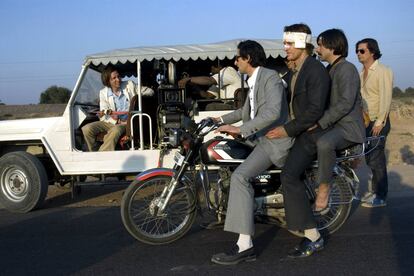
[(220, 50)]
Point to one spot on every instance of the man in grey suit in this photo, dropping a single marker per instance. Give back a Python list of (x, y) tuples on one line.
[(266, 107), (344, 114)]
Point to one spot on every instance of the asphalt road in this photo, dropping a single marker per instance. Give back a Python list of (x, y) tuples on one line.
[(93, 241)]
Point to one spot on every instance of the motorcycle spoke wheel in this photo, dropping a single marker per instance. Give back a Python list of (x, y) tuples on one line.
[(339, 207), (142, 218)]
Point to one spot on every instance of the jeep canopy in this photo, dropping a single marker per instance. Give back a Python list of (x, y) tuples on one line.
[(220, 50)]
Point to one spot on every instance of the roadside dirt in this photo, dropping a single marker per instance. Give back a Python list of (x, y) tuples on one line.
[(400, 143), (13, 112), (89, 196)]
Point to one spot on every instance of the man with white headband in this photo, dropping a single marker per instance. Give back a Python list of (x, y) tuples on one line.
[(299, 39), (308, 89)]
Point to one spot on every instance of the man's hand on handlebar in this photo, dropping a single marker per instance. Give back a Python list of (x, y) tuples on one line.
[(216, 120), (229, 130)]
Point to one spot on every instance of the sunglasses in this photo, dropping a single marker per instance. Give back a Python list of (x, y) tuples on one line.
[(361, 51)]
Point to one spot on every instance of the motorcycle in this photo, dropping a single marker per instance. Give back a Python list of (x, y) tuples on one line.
[(161, 204)]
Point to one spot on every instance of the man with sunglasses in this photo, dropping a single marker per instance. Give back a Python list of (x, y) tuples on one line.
[(264, 108), (376, 91)]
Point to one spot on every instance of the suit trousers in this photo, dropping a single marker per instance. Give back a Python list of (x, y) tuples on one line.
[(110, 139), (240, 209), (299, 214), (327, 145), (377, 162)]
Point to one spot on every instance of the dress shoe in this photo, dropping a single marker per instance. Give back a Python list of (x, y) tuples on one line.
[(306, 248), (234, 257)]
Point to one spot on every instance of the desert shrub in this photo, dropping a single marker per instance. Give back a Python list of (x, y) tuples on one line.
[(55, 95)]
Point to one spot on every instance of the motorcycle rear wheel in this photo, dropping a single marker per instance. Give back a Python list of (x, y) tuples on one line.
[(340, 204), (144, 224)]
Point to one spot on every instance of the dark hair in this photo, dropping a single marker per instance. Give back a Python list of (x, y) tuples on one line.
[(301, 28), (254, 50), (106, 75), (372, 45), (334, 39)]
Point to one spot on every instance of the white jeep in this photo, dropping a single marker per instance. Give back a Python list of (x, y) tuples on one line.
[(37, 152)]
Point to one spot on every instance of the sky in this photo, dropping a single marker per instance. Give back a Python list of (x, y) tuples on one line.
[(44, 42)]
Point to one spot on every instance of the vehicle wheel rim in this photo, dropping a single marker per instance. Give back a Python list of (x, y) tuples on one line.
[(335, 210), (340, 198), (14, 184), (158, 226)]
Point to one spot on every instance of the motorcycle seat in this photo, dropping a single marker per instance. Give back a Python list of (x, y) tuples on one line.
[(273, 168)]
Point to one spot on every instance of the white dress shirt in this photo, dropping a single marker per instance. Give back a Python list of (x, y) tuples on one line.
[(252, 82)]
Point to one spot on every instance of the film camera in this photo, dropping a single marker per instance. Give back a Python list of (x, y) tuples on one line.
[(172, 114)]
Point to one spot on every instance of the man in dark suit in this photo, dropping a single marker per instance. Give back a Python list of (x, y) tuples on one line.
[(309, 95), (344, 114), (265, 107)]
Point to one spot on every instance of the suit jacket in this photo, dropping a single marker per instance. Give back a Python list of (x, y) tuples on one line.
[(310, 97), (345, 106), (271, 110)]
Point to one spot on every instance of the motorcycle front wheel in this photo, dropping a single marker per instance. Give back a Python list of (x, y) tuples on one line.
[(145, 223)]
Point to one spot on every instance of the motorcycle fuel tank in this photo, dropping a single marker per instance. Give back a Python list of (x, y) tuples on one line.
[(220, 151)]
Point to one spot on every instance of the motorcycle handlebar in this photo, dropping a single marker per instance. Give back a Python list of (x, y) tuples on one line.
[(209, 123)]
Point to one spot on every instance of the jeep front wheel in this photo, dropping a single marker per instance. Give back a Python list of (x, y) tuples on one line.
[(23, 182)]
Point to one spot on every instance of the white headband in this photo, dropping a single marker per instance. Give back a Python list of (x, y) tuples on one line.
[(300, 39)]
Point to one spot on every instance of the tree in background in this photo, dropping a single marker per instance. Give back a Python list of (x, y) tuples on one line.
[(398, 93), (54, 95), (1, 103), (409, 92)]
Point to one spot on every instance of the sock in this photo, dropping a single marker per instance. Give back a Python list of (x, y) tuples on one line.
[(245, 242), (312, 234)]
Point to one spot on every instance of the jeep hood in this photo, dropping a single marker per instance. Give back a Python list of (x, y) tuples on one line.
[(24, 129)]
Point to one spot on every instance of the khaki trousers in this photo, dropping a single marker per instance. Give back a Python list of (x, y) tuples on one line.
[(91, 130)]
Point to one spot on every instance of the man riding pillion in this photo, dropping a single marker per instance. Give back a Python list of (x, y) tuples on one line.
[(309, 95), (266, 107)]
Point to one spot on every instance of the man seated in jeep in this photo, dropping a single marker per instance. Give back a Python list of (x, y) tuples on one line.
[(114, 101)]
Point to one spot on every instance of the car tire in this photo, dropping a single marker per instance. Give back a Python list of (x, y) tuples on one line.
[(23, 182)]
